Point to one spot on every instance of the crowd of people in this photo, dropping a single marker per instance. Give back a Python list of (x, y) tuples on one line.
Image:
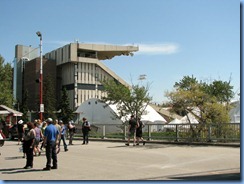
[(47, 135)]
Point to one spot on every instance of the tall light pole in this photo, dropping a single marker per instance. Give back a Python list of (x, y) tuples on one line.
[(41, 77)]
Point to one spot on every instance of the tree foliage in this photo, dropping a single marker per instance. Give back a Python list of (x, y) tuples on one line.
[(66, 113), (23, 106), (186, 83), (6, 78), (222, 90), (49, 98), (129, 101), (203, 101)]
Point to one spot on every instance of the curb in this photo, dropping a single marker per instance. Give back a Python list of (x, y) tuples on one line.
[(166, 142)]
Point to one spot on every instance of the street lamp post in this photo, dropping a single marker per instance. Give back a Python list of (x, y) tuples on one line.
[(41, 77)]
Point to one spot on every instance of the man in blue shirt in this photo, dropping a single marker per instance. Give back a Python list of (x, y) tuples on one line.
[(51, 139)]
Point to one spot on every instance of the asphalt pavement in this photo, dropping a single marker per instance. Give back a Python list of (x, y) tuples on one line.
[(113, 161)]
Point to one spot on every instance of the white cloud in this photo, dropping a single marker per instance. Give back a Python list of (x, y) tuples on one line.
[(158, 49)]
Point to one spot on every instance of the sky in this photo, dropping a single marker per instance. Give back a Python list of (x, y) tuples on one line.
[(176, 38)]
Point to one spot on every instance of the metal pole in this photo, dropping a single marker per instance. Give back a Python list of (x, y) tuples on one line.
[(41, 79), (41, 76)]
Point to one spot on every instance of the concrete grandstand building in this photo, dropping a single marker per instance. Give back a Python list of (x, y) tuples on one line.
[(78, 67)]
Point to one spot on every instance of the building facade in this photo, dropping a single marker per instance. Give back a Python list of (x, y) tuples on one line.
[(80, 70), (78, 67), (23, 54)]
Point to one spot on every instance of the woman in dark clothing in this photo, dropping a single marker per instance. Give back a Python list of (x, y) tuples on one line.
[(86, 127), (28, 145)]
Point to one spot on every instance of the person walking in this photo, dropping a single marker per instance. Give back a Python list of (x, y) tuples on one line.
[(20, 128), (56, 124), (28, 145), (71, 128), (132, 130), (63, 135), (86, 127), (51, 137), (44, 125), (37, 139), (139, 132)]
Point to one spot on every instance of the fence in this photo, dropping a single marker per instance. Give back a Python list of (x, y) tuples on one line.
[(221, 132)]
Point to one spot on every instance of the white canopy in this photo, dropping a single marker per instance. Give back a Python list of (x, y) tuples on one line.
[(97, 111), (192, 118), (152, 116), (235, 112), (175, 121), (4, 112), (5, 109)]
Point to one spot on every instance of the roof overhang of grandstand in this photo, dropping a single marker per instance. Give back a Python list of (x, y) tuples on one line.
[(108, 51)]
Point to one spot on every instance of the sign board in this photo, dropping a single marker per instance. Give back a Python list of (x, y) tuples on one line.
[(41, 107)]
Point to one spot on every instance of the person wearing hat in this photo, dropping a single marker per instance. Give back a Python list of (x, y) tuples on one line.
[(86, 127), (20, 129), (72, 130), (51, 138)]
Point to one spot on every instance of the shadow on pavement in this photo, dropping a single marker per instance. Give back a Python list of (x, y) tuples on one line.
[(13, 158), (18, 170), (226, 176)]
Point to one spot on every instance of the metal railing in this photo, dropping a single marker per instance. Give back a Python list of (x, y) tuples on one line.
[(221, 132)]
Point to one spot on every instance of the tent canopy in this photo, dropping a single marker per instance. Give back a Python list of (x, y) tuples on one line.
[(97, 111), (6, 110), (152, 116)]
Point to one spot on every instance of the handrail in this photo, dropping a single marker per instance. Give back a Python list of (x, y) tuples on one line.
[(222, 132)]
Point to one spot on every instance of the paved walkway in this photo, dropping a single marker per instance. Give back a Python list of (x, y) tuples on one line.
[(114, 161)]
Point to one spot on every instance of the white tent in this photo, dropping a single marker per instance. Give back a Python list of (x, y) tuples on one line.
[(192, 119), (151, 116), (171, 125), (98, 112), (175, 121), (235, 112)]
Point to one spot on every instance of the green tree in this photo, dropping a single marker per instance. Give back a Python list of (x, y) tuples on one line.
[(6, 95), (203, 105), (186, 83), (23, 107), (222, 90), (66, 113), (49, 98), (132, 100)]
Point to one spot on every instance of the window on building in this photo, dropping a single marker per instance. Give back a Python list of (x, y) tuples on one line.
[(86, 53)]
